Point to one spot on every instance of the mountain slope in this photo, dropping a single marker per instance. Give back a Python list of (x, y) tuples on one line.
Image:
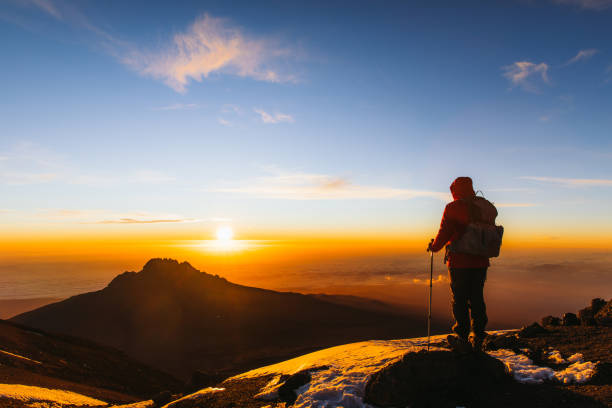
[(31, 357), (181, 320)]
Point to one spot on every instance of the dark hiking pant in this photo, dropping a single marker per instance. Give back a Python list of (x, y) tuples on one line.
[(467, 286)]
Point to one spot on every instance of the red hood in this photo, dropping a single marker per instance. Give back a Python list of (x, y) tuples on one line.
[(462, 188)]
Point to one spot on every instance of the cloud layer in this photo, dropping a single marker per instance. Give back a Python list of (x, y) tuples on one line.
[(573, 182), (210, 45), (307, 186)]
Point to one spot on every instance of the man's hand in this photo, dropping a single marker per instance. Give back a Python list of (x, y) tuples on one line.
[(429, 248)]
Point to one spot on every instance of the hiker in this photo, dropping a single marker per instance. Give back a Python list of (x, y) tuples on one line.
[(467, 271)]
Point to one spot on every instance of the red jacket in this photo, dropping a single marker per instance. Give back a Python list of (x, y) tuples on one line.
[(454, 220)]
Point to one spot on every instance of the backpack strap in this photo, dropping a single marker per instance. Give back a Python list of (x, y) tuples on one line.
[(474, 214)]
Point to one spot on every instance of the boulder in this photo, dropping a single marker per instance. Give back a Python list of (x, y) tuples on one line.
[(510, 341), (533, 330), (597, 304), (570, 319), (586, 315), (551, 321), (604, 315), (436, 378)]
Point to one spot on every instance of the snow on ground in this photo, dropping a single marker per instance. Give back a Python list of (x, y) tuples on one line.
[(31, 394), (523, 369), (577, 373), (340, 373)]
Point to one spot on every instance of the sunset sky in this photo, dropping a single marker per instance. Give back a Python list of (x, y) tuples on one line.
[(143, 127)]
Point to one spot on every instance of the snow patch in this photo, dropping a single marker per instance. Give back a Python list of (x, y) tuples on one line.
[(523, 370), (556, 357), (32, 394), (577, 373), (576, 358)]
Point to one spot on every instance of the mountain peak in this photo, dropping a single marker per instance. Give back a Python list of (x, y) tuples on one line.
[(159, 270), (167, 264)]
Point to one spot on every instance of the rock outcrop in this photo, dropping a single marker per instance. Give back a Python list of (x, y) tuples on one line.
[(570, 319), (437, 378), (604, 315), (551, 321)]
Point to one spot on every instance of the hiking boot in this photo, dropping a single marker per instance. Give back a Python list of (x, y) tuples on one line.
[(476, 343), (458, 344)]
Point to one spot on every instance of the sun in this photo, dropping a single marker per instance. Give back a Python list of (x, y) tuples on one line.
[(225, 233)]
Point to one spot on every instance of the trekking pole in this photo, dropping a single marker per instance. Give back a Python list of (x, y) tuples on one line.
[(430, 293)]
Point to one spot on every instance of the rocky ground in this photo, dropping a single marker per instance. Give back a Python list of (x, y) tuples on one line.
[(592, 342), (595, 344)]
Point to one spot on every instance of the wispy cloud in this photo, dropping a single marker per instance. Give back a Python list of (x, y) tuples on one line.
[(21, 178), (47, 6), (224, 122), (67, 13), (210, 45), (221, 219), (273, 118), (587, 4), (135, 177), (525, 74), (509, 189), (573, 182), (515, 205), (231, 108), (145, 221), (106, 217), (609, 74), (309, 186), (177, 106), (29, 163), (582, 55)]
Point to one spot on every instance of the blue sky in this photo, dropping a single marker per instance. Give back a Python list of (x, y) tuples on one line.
[(299, 116)]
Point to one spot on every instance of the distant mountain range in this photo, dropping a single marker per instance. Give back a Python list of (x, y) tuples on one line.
[(181, 320)]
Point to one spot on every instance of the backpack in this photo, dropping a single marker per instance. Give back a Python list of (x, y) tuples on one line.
[(481, 236)]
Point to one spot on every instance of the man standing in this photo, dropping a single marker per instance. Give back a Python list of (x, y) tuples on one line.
[(467, 272)]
